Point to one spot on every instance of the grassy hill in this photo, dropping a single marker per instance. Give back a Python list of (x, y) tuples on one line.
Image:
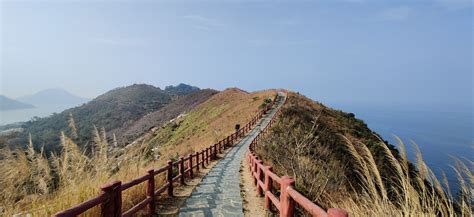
[(33, 181), (131, 131), (113, 110), (337, 161), (207, 123)]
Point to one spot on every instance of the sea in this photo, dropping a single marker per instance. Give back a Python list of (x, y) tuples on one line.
[(441, 133), (22, 115)]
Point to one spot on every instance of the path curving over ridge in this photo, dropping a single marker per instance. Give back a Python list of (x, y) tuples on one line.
[(218, 194)]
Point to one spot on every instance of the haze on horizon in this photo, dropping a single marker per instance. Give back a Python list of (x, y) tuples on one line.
[(353, 51)]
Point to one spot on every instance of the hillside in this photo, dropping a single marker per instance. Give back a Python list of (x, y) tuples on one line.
[(337, 161), (11, 104), (53, 96), (207, 118), (113, 110), (208, 122), (129, 132), (323, 132)]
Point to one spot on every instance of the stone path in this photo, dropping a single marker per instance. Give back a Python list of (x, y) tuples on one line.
[(218, 194)]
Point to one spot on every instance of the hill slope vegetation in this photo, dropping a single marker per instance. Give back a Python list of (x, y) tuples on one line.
[(337, 161), (42, 185), (111, 111)]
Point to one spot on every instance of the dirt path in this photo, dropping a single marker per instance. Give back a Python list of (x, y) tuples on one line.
[(253, 205)]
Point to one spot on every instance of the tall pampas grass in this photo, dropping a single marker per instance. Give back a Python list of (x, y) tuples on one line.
[(422, 195), (41, 186)]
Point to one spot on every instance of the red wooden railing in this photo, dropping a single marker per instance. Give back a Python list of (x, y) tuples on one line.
[(110, 199), (264, 179)]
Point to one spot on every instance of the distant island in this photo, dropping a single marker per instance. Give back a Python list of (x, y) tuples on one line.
[(11, 104), (53, 96)]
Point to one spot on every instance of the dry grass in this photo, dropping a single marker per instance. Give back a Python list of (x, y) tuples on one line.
[(35, 184), (334, 166)]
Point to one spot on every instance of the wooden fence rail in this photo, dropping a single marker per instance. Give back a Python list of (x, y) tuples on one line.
[(110, 199), (265, 179)]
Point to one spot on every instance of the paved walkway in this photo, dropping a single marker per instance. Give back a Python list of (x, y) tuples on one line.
[(218, 194)]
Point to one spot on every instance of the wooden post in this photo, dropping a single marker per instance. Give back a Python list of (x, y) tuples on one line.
[(170, 178), (197, 161), (220, 146), (259, 178), (287, 204), (207, 156), (211, 152), (254, 170), (268, 187), (181, 170), (215, 151), (202, 159), (190, 165), (251, 164), (336, 212), (150, 191), (112, 207)]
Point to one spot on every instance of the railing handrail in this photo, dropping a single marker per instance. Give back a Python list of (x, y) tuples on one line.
[(111, 196), (289, 196)]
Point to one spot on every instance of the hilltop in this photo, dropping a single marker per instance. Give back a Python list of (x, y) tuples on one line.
[(181, 89), (11, 104)]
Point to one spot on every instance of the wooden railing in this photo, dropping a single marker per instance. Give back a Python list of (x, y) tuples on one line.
[(110, 199), (265, 179)]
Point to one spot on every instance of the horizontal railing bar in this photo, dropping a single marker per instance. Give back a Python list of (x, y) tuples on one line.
[(262, 185), (137, 207), (176, 163), (162, 189), (134, 182), (162, 169), (274, 177), (82, 207), (307, 204), (274, 199), (176, 178)]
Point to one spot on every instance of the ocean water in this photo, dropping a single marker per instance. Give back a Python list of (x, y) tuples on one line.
[(441, 134), (20, 115)]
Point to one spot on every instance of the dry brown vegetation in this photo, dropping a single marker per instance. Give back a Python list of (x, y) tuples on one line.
[(337, 161), (39, 185)]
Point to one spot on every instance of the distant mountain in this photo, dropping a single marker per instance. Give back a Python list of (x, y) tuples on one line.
[(53, 96), (181, 89), (11, 104)]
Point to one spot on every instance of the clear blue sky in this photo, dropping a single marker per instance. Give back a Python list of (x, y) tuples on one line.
[(353, 51)]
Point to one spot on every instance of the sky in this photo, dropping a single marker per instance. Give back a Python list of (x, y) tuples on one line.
[(390, 52)]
